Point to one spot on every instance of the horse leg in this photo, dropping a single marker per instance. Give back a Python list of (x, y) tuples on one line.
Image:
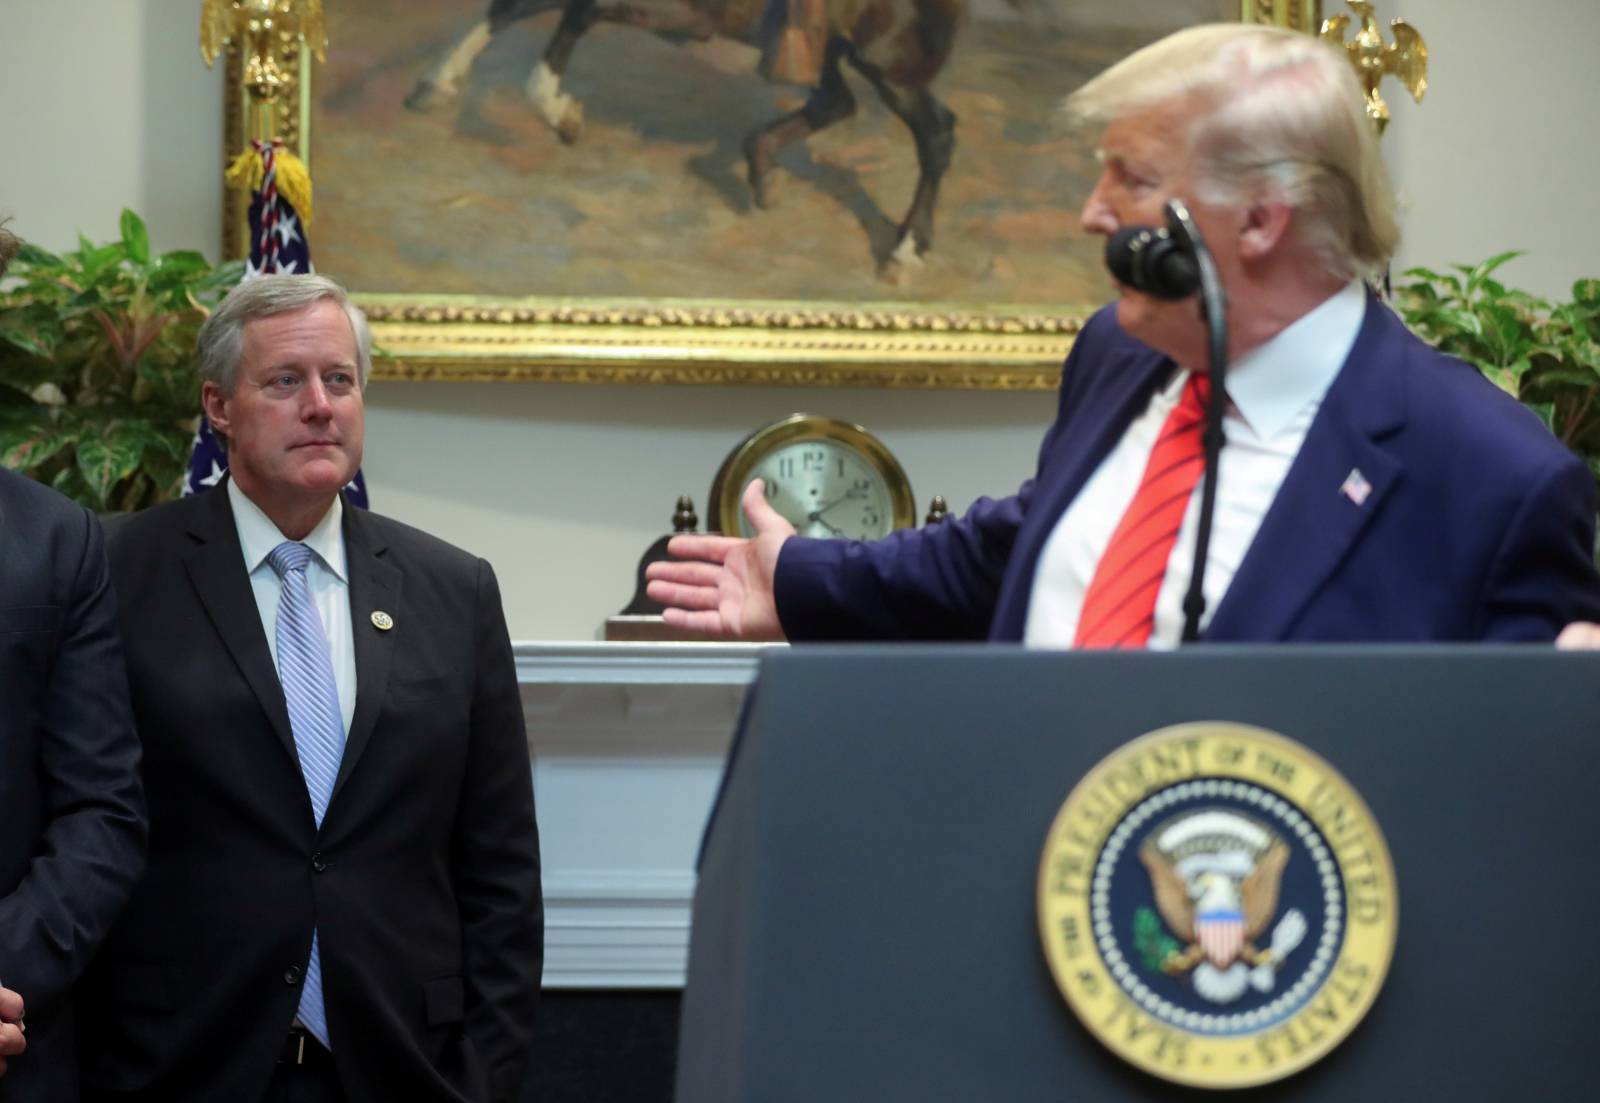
[(933, 129), (558, 109), (439, 84), (828, 103)]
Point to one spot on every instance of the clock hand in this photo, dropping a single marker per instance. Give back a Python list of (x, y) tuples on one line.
[(836, 531), (816, 514)]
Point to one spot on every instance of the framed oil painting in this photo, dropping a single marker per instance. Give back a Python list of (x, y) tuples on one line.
[(714, 191)]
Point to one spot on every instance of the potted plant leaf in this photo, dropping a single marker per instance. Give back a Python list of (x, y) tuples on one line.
[(99, 395), (1545, 354)]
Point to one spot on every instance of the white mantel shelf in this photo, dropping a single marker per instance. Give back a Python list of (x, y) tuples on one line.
[(628, 743), (568, 662)]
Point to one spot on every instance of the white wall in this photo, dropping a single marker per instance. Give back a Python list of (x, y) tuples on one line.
[(1501, 153), (563, 486), (105, 104), (108, 105)]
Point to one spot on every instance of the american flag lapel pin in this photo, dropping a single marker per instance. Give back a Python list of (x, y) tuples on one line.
[(1356, 487)]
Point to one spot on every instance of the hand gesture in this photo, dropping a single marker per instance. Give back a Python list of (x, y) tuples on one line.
[(1580, 635), (12, 1041), (722, 585)]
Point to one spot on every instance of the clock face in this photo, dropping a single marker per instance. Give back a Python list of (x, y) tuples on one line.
[(829, 478), (825, 488)]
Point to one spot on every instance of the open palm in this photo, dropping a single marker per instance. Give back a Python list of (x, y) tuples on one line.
[(722, 585)]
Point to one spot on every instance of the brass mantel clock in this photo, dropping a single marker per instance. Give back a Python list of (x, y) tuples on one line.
[(827, 477)]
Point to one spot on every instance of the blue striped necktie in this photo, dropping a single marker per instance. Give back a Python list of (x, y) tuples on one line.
[(305, 668)]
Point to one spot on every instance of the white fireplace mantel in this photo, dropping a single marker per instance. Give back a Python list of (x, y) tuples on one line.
[(628, 743)]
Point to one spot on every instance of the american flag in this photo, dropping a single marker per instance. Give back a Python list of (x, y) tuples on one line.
[(277, 244), (1356, 487)]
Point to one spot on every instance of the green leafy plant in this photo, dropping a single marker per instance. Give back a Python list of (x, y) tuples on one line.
[(1547, 355), (98, 389)]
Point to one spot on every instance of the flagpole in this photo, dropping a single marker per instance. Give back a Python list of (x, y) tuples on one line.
[(263, 37)]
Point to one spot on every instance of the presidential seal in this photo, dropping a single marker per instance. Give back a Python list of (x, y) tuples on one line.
[(1217, 905)]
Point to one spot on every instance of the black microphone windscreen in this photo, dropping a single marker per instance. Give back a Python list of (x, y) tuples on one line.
[(1121, 249), (1151, 261)]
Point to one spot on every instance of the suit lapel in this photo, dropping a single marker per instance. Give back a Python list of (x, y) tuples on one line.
[(374, 587), (216, 571), (1313, 523), (1083, 444)]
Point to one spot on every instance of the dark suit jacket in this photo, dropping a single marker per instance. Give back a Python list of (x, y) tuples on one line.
[(1479, 525), (423, 881), (71, 809)]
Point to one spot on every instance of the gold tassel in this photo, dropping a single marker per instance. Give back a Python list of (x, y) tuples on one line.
[(245, 172), (294, 179), (294, 184)]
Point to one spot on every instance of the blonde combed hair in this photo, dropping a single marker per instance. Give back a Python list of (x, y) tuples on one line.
[(1277, 114)]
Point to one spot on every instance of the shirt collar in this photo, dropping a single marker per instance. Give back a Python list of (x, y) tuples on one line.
[(1272, 383), (258, 535)]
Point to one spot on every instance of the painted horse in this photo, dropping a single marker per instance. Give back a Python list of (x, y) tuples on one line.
[(898, 46)]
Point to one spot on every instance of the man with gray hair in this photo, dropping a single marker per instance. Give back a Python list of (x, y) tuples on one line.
[(342, 899), (1370, 488)]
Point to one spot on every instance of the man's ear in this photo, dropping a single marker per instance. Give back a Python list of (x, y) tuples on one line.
[(215, 405), (1266, 226)]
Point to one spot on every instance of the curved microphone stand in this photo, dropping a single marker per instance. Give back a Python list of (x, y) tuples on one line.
[(1214, 310)]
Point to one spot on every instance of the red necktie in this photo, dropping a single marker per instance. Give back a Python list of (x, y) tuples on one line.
[(1119, 607)]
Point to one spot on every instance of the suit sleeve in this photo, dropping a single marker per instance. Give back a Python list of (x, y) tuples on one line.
[(934, 583), (496, 859), (940, 582), (1543, 576), (92, 849)]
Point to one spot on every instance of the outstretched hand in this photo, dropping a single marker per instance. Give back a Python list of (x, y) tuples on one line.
[(12, 1041), (1579, 635), (722, 585)]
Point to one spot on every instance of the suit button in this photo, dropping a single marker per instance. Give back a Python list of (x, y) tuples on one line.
[(318, 864), (292, 975)]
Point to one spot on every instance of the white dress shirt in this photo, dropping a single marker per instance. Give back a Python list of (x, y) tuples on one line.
[(1275, 391), (327, 578)]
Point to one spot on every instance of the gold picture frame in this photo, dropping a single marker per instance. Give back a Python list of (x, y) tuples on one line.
[(710, 341)]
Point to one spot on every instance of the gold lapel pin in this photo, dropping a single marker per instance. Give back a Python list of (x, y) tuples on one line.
[(382, 621)]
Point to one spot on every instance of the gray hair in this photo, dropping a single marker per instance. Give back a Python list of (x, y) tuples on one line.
[(221, 340), (1277, 114)]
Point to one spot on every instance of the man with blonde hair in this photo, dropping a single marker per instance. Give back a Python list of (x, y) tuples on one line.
[(1370, 488), (342, 900)]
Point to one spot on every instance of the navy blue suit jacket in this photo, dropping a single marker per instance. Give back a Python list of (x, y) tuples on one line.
[(1479, 525), (72, 819)]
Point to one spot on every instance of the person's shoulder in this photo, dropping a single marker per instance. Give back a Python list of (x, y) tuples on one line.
[(1102, 332), (1480, 421), (412, 543), (153, 523), (1102, 347), (33, 500)]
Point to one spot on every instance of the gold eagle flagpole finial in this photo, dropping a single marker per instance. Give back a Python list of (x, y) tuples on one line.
[(267, 36), (252, 24), (261, 30), (1406, 57)]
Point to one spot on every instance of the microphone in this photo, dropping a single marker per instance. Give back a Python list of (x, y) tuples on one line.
[(1153, 261)]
